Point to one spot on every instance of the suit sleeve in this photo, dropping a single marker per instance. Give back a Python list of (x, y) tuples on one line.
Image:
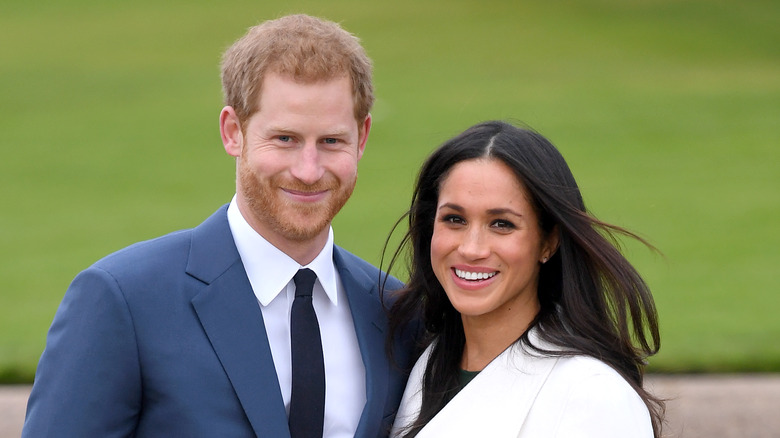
[(88, 379), (603, 406)]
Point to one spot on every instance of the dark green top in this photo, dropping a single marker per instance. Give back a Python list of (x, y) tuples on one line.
[(466, 377)]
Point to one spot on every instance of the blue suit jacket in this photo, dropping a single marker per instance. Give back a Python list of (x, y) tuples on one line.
[(165, 338)]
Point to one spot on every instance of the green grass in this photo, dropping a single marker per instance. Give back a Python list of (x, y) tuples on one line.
[(667, 112)]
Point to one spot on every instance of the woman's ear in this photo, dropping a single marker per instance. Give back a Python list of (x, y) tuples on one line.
[(552, 240)]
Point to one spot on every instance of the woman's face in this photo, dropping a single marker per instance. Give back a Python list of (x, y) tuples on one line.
[(487, 246)]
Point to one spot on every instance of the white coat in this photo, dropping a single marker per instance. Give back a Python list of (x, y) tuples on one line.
[(521, 394)]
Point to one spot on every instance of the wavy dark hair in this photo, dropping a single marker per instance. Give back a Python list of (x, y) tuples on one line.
[(592, 301)]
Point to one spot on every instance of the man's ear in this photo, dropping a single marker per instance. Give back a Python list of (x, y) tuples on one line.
[(363, 131), (230, 129)]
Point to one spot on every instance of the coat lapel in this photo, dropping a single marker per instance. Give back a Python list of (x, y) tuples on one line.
[(231, 317), (497, 401), (370, 324)]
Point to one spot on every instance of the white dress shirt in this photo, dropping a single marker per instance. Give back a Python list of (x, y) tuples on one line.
[(270, 273)]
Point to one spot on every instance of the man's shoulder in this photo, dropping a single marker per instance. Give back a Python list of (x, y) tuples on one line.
[(151, 251), (353, 262), (159, 252), (358, 265)]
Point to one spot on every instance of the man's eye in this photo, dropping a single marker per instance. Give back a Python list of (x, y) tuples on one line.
[(330, 141), (284, 138)]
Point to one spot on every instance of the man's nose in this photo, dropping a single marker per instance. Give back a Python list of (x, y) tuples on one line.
[(307, 166)]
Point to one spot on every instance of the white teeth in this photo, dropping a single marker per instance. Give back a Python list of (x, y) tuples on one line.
[(473, 275)]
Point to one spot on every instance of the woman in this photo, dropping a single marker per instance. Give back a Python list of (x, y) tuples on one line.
[(537, 325)]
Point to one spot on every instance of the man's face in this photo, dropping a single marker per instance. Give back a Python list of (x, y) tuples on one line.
[(297, 164)]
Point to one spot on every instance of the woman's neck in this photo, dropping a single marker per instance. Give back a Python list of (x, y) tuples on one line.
[(486, 338)]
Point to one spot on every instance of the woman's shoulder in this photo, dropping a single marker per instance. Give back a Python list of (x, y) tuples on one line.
[(591, 377), (581, 366), (587, 390), (584, 396)]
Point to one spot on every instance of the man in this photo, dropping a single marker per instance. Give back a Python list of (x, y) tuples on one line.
[(190, 334)]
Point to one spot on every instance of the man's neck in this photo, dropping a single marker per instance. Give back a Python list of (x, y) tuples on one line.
[(302, 251)]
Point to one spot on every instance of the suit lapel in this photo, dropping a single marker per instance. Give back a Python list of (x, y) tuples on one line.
[(370, 324), (231, 317)]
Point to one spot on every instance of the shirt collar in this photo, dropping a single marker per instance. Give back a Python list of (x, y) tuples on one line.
[(269, 269)]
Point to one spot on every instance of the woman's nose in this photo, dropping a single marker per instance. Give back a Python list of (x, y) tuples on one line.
[(474, 245)]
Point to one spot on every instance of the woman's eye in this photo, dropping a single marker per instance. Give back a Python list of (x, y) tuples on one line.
[(503, 224), (452, 219)]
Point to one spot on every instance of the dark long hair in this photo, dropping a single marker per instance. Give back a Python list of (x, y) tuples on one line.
[(592, 301)]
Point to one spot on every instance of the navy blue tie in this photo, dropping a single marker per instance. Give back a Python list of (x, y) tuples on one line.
[(307, 399)]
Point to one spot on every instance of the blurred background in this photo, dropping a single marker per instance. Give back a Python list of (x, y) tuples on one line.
[(667, 111)]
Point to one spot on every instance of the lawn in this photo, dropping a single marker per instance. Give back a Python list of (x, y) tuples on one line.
[(668, 112)]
